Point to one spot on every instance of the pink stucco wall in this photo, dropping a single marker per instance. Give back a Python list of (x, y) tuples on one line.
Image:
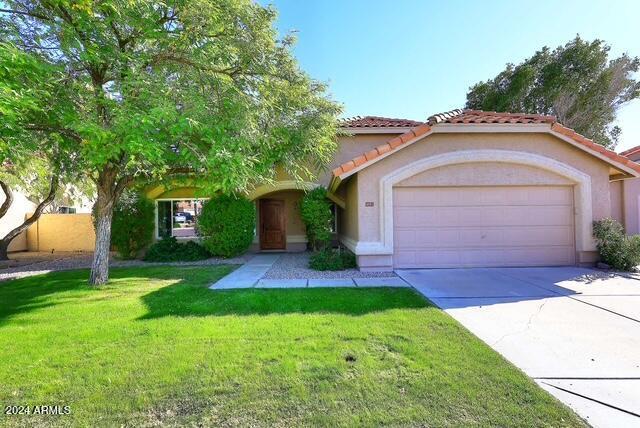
[(630, 203), (625, 201), (539, 144), (616, 189)]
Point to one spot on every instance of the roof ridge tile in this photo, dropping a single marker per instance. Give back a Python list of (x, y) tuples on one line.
[(377, 122), (468, 116), (630, 151)]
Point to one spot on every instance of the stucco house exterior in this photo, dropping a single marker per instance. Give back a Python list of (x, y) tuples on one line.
[(14, 217), (65, 226), (463, 189), (625, 196)]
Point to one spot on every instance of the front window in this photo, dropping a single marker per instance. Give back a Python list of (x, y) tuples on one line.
[(334, 218), (178, 217), (66, 210)]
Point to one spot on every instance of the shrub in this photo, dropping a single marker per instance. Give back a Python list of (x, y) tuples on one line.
[(615, 248), (330, 259), (315, 210), (227, 225), (170, 250), (132, 224)]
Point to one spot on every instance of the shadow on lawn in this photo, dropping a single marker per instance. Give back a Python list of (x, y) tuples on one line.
[(187, 285), (38, 292), (188, 295), (185, 300)]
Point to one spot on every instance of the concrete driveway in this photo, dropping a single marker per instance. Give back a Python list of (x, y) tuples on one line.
[(575, 331)]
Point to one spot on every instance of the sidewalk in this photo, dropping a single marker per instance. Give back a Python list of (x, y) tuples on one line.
[(247, 275)]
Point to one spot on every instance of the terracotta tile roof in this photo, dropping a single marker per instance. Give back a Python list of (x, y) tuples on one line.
[(630, 152), (479, 117), (391, 145), (581, 139), (377, 122)]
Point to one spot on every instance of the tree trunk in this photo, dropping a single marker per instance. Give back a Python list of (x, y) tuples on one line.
[(108, 193), (4, 242), (8, 199), (4, 250), (6, 204), (100, 266)]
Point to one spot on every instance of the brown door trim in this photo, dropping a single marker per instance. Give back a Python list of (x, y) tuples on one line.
[(275, 239)]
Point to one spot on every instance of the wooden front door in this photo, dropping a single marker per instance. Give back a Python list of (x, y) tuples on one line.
[(272, 225)]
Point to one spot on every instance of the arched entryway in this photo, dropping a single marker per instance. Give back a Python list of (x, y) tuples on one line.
[(279, 226)]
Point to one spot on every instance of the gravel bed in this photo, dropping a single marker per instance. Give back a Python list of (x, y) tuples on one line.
[(288, 266), (29, 264), (295, 266)]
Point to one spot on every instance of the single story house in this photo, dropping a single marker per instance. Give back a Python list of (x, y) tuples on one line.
[(466, 188), (14, 217), (65, 225), (625, 197)]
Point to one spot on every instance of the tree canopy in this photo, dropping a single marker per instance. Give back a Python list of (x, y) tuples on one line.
[(577, 83), (140, 89), (34, 149)]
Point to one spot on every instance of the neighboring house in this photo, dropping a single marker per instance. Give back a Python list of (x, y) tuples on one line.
[(466, 188), (18, 210), (55, 230), (626, 195)]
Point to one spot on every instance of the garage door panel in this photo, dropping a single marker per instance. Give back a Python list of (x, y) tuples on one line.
[(411, 258), (543, 236), (470, 196), (515, 257), (410, 218), (550, 195), (483, 237), (483, 226), (425, 239), (521, 216), (476, 257), (428, 217)]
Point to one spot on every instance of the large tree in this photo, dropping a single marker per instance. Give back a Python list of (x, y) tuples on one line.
[(32, 147), (180, 86), (577, 83)]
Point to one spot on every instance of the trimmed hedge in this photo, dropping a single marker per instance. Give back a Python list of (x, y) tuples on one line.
[(227, 225), (170, 250), (315, 210), (330, 259), (132, 224), (615, 248)]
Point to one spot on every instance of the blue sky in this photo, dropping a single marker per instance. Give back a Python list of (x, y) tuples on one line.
[(412, 58)]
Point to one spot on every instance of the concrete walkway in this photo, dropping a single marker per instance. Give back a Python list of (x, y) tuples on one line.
[(250, 275), (247, 275), (575, 331), (338, 282)]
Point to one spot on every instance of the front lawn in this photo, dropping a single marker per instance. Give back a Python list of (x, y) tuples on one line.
[(155, 346)]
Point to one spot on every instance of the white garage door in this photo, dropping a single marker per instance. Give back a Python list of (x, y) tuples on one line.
[(483, 226)]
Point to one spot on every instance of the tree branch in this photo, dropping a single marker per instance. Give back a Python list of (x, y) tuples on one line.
[(29, 14), (67, 132), (53, 187), (168, 57), (8, 198), (123, 183), (122, 41)]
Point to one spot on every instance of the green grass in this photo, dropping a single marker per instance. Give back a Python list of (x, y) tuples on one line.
[(155, 346)]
